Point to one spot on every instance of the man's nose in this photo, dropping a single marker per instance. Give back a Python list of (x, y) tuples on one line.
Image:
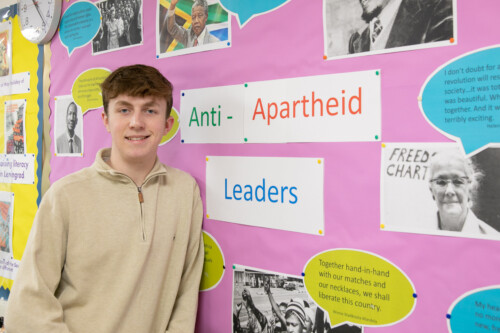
[(449, 189), (137, 120)]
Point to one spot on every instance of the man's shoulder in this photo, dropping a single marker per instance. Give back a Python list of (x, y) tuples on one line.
[(74, 179), (179, 175)]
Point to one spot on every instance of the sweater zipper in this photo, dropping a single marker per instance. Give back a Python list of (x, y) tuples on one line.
[(141, 202)]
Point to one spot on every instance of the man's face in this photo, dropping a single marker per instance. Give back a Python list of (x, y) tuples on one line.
[(71, 117), (137, 125), (199, 19), (372, 8), (450, 188), (293, 324)]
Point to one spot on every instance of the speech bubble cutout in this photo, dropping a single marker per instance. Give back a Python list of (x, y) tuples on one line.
[(213, 268), (476, 311), (359, 287), (173, 131), (461, 99), (79, 25), (245, 10), (86, 89)]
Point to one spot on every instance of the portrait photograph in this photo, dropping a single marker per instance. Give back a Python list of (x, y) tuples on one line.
[(68, 123), (189, 26), (121, 25), (15, 139), (364, 27), (433, 188), (265, 301)]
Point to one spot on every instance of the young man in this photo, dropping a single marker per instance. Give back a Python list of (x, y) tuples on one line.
[(116, 247)]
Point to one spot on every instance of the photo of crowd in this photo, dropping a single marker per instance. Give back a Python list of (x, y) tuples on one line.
[(121, 25), (269, 302)]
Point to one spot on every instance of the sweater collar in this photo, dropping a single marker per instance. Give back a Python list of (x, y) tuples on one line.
[(106, 170)]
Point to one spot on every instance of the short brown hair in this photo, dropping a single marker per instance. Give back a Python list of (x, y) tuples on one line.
[(136, 81)]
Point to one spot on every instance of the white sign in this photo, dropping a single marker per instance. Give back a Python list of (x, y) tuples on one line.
[(270, 192), (17, 168), (212, 115), (15, 84), (327, 108)]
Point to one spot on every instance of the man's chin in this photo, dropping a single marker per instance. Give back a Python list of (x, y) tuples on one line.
[(368, 16)]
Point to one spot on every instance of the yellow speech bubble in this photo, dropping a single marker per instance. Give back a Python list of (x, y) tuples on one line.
[(359, 287), (213, 268), (86, 90), (171, 134)]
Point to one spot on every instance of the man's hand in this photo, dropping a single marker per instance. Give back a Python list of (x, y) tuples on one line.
[(247, 298), (173, 3)]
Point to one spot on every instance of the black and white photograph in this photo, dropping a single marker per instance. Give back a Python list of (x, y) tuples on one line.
[(364, 27), (68, 123), (121, 25), (434, 188), (270, 302), (188, 26), (15, 138)]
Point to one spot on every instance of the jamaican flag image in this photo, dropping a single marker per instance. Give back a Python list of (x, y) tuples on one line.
[(217, 23)]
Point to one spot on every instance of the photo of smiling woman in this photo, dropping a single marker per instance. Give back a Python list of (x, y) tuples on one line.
[(434, 188)]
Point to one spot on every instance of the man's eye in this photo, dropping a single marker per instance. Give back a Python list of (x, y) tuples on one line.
[(150, 111), (123, 110)]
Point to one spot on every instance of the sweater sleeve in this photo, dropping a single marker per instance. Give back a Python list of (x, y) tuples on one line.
[(32, 305), (186, 305)]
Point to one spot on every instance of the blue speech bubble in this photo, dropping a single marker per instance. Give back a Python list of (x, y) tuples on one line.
[(476, 311), (462, 99), (79, 25), (247, 9)]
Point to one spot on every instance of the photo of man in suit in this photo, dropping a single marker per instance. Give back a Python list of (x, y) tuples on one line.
[(69, 142), (396, 23), (198, 33)]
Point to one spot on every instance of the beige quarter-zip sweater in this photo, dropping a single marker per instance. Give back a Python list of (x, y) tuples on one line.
[(107, 256)]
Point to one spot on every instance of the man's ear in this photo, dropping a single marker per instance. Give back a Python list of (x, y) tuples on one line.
[(105, 120), (169, 123)]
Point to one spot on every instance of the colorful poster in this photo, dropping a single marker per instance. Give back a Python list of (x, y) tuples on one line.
[(15, 137), (187, 26)]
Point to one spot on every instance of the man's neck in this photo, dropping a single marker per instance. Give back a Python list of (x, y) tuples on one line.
[(137, 171), (71, 133)]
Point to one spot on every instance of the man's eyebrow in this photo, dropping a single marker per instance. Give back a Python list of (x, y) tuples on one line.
[(123, 103)]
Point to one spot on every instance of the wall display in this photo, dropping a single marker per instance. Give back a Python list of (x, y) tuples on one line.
[(214, 265), (6, 214), (187, 26), (68, 125), (5, 48), (18, 83), (21, 136), (15, 129), (284, 50), (476, 311), (445, 193), (246, 10), (79, 25), (374, 27), (121, 25), (358, 287), (213, 115), (268, 192), (461, 99)]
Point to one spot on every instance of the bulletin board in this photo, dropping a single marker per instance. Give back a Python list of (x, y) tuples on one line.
[(371, 211), (21, 149)]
